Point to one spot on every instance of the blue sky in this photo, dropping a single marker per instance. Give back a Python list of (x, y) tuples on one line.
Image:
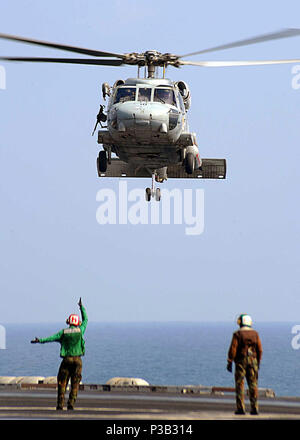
[(53, 250)]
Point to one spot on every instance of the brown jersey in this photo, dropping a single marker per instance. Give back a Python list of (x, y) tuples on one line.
[(245, 342)]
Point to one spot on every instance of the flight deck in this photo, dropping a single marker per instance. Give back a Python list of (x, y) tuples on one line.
[(102, 402)]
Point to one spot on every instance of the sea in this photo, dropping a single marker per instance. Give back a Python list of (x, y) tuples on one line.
[(162, 353)]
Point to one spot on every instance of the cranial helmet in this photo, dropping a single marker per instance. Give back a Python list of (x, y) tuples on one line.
[(73, 320), (244, 321)]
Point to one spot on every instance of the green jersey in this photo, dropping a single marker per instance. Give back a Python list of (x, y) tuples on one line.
[(70, 339)]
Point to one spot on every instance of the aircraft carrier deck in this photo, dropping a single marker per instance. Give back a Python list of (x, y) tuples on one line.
[(150, 405)]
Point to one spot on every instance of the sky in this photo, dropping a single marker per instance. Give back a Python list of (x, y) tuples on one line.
[(52, 248)]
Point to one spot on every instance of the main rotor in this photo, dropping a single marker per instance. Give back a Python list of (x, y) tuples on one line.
[(151, 58)]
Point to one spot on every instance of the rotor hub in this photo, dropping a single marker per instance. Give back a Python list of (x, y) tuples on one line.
[(150, 57)]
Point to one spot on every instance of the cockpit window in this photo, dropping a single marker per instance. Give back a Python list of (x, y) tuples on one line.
[(166, 96), (144, 94), (125, 94)]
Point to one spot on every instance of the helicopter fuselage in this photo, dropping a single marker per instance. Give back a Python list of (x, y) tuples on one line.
[(147, 123)]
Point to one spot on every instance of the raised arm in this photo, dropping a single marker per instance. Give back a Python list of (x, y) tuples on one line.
[(84, 317)]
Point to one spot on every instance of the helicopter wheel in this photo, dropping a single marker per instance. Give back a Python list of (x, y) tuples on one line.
[(189, 163), (102, 161), (148, 194), (157, 194)]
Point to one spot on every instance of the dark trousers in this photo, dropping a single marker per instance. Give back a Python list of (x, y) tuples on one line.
[(70, 368)]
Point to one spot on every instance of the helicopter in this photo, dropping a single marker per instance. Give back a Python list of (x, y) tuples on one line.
[(146, 117)]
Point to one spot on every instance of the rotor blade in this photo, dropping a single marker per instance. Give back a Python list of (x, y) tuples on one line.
[(90, 52), (285, 33), (90, 61), (236, 63)]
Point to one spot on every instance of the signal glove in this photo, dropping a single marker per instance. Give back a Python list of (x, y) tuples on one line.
[(35, 341), (229, 366)]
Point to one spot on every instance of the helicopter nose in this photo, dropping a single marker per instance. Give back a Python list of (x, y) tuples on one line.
[(141, 116)]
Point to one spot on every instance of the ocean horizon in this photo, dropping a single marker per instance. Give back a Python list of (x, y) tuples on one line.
[(162, 353)]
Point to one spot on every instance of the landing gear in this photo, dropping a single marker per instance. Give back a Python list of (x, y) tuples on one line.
[(152, 192), (157, 194), (102, 161), (189, 163), (148, 194)]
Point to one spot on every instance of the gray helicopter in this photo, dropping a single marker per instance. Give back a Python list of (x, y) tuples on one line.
[(147, 130), (146, 117)]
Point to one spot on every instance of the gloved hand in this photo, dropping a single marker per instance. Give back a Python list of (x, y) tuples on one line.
[(35, 341), (80, 303), (229, 366)]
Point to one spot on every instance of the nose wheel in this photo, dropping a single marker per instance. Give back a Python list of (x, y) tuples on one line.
[(153, 192)]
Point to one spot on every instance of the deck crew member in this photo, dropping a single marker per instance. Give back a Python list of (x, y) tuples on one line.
[(72, 348), (246, 352)]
